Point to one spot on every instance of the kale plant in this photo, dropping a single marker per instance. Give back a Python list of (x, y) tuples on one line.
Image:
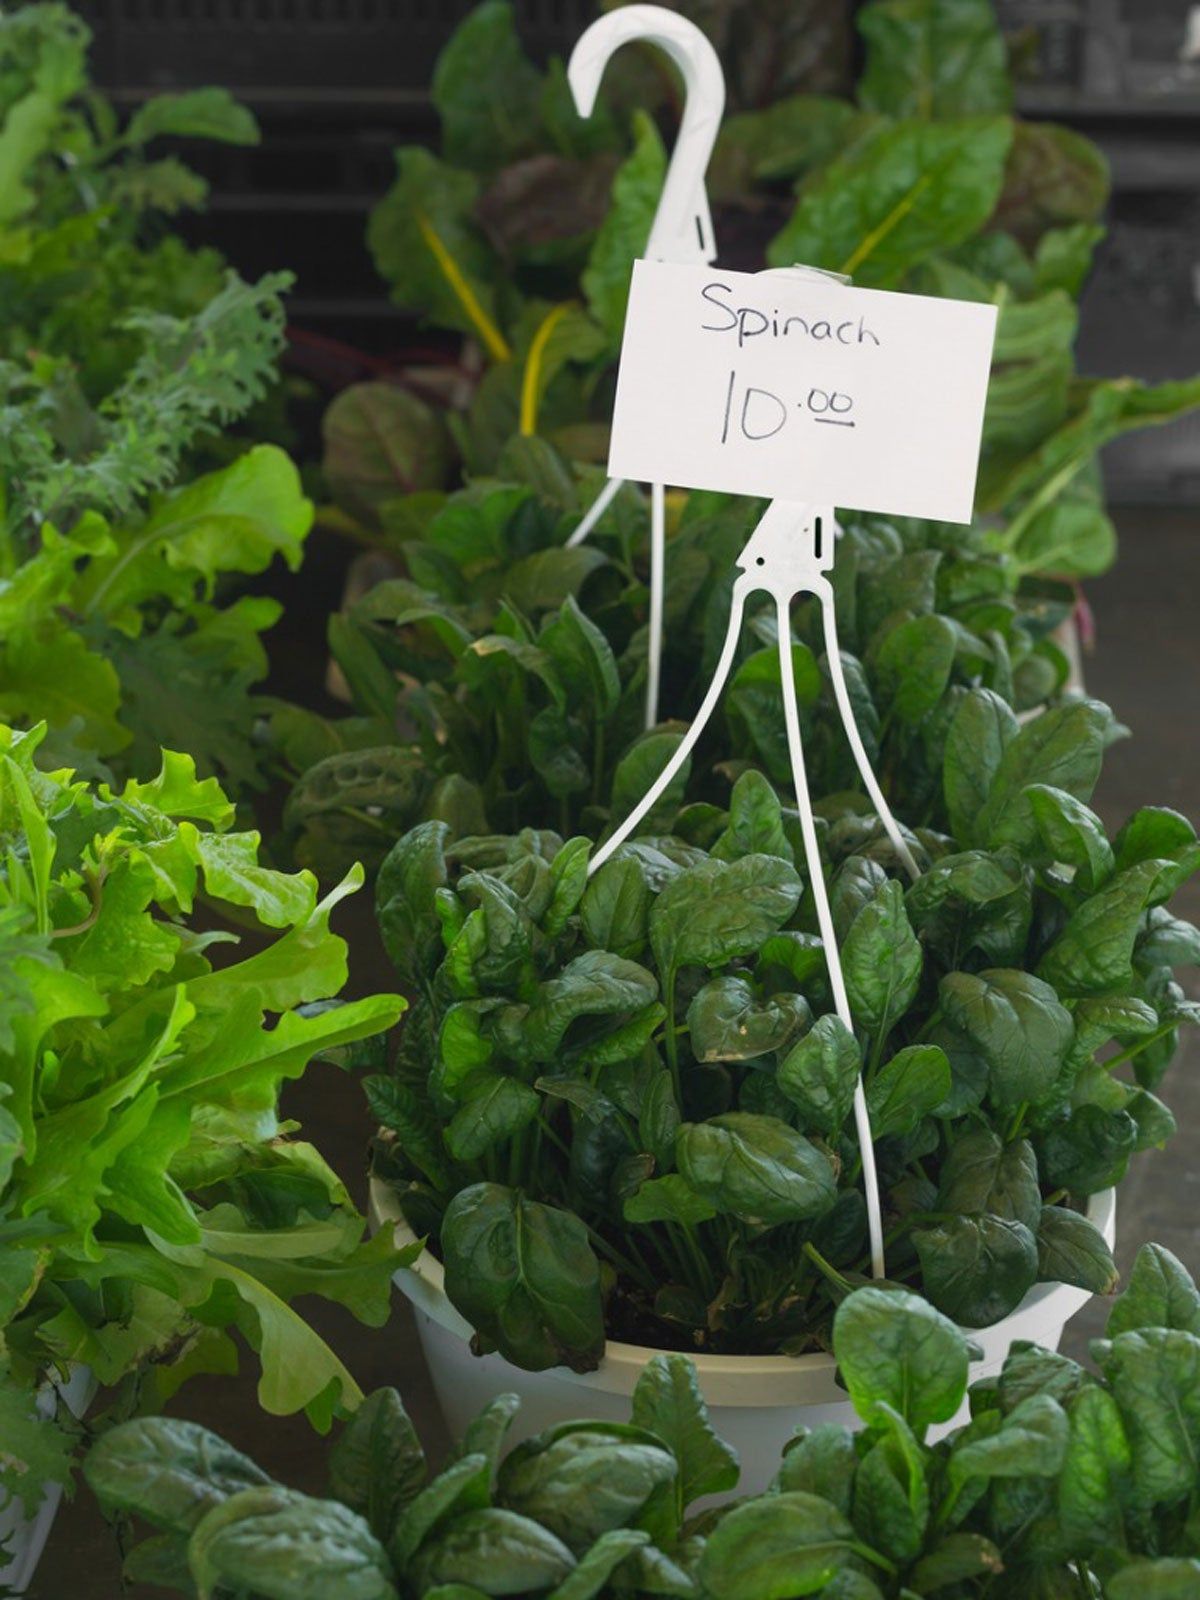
[(123, 355)]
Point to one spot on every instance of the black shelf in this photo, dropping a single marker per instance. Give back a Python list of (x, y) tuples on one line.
[(295, 51)]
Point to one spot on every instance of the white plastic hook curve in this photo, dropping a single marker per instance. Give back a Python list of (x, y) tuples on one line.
[(683, 229)]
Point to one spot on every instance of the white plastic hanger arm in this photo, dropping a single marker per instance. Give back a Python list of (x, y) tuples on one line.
[(791, 552), (866, 772), (686, 745), (599, 506), (658, 561), (833, 960)]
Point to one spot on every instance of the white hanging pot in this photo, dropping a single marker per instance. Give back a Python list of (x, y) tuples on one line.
[(756, 1402), (23, 1536)]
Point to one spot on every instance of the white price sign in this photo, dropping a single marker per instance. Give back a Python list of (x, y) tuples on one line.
[(802, 388)]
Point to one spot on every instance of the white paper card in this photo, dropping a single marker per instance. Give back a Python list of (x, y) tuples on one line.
[(802, 388)]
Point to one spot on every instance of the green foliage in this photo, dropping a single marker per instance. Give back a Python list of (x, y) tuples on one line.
[(926, 185), (899, 195), (521, 665), (520, 235), (190, 372), (523, 1272), (152, 1203), (924, 182), (623, 234), (528, 211), (81, 203), (933, 58), (642, 1069), (111, 635), (123, 355), (486, 92), (1062, 1478)]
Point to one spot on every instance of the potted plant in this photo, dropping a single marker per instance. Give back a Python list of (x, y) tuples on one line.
[(517, 239), (152, 1203), (619, 1111), (502, 684), (1065, 1481)]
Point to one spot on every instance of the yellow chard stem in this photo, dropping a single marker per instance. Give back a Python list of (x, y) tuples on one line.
[(530, 382), (496, 344), (895, 216)]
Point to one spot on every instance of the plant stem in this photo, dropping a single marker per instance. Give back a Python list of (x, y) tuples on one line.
[(597, 762), (545, 1129), (645, 1278), (897, 1232), (824, 1268), (1042, 497), (671, 1041), (877, 1045), (1136, 1049), (676, 1236), (518, 1163), (700, 1259), (874, 1557), (95, 883), (946, 1509), (531, 379), (631, 1241), (931, 1022)]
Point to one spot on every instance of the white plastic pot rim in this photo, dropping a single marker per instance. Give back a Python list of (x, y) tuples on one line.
[(744, 1380)]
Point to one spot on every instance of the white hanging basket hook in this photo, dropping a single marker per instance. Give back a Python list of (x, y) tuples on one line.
[(682, 229)]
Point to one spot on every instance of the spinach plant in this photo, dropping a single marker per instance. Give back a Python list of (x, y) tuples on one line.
[(585, 1508), (639, 1075), (1065, 1482), (152, 1202), (949, 194), (502, 682), (123, 354)]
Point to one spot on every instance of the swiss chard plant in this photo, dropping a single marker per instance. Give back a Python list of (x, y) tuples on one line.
[(639, 1074), (520, 235), (1066, 1481), (122, 357), (153, 1204)]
